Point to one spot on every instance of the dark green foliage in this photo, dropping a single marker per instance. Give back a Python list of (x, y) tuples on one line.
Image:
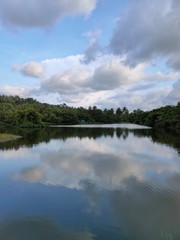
[(119, 115), (29, 118), (164, 117), (16, 111), (32, 137)]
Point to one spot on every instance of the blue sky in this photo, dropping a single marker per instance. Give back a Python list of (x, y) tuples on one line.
[(91, 52)]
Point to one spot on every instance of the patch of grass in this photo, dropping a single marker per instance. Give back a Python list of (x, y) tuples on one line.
[(7, 137)]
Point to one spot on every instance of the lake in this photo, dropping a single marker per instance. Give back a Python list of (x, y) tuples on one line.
[(95, 182)]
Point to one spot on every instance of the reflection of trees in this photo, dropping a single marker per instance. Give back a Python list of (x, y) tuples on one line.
[(33, 137), (29, 138), (169, 137), (122, 133)]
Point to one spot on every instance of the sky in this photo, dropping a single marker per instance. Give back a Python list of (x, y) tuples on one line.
[(91, 52)]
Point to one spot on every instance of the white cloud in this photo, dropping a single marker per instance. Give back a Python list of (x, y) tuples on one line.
[(146, 98), (113, 74), (91, 53), (69, 82), (94, 49), (106, 82), (149, 30), (107, 73), (20, 91), (92, 35), (40, 13), (32, 69), (174, 94), (56, 66)]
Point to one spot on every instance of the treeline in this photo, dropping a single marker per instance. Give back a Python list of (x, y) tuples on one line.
[(20, 112)]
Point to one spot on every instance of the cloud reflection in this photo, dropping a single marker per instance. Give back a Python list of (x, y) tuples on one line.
[(148, 211), (139, 179), (31, 175), (105, 161)]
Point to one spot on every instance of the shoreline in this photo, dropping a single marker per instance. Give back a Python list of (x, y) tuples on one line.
[(8, 137)]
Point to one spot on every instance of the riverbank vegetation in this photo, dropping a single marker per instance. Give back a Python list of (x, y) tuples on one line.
[(7, 137), (20, 112)]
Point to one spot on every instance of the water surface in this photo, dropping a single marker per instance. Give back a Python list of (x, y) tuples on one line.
[(90, 183)]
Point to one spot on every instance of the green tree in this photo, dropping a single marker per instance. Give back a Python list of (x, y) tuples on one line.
[(119, 115), (29, 118)]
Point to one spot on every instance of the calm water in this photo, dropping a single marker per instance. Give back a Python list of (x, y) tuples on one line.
[(90, 183)]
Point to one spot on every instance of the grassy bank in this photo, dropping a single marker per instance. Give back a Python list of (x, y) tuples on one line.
[(7, 137)]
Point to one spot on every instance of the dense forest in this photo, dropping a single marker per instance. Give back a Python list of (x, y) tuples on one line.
[(20, 112)]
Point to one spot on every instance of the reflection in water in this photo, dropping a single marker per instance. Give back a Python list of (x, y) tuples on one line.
[(93, 195), (32, 137), (39, 229), (106, 161), (148, 211), (105, 183)]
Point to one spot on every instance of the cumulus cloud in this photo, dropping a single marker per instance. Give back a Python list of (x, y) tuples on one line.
[(20, 91), (69, 82), (149, 30), (40, 13), (174, 94), (94, 49), (106, 75), (146, 97), (105, 82), (32, 69), (91, 53), (114, 74)]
